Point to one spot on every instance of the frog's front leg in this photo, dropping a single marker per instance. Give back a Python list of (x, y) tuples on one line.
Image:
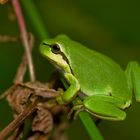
[(72, 90), (133, 77)]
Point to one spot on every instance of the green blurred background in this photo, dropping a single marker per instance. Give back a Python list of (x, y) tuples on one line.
[(111, 27)]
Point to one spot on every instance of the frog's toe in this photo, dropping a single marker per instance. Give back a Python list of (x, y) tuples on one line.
[(75, 111)]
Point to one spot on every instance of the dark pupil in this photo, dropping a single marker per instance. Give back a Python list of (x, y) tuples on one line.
[(55, 48)]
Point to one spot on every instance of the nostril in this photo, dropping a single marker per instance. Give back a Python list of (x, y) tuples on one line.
[(44, 43)]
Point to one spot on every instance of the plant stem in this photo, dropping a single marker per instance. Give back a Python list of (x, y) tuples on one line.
[(24, 37), (90, 126), (23, 65)]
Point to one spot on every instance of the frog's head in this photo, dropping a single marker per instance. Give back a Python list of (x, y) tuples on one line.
[(53, 50)]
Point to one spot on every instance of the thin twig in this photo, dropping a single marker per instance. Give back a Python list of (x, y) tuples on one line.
[(3, 1), (19, 120), (24, 37), (8, 38), (16, 134), (23, 65)]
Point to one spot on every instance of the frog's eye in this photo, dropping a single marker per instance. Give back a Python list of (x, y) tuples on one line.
[(55, 48)]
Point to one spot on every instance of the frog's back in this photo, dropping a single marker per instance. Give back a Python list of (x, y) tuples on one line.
[(96, 73)]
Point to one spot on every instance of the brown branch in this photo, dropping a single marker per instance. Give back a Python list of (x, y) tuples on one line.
[(19, 120)]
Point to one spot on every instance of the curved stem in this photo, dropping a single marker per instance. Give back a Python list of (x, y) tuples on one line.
[(24, 37)]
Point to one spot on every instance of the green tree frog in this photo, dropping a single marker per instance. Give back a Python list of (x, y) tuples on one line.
[(105, 89)]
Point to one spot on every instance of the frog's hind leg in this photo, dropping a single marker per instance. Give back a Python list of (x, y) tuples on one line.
[(104, 107), (133, 76)]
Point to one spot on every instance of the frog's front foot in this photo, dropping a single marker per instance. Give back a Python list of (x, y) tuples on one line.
[(59, 99), (75, 111)]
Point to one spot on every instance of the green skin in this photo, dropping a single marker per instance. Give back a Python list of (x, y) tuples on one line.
[(105, 89)]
